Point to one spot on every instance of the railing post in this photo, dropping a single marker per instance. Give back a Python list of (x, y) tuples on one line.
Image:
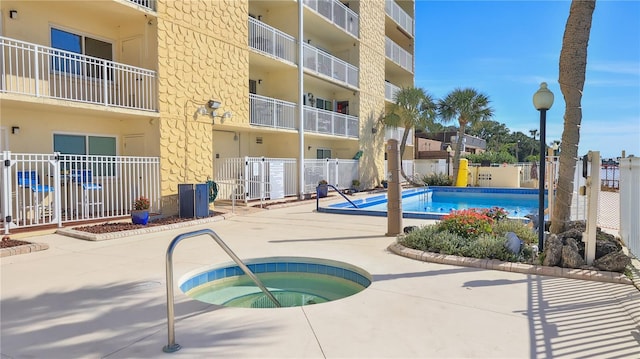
[(36, 61), (105, 83)]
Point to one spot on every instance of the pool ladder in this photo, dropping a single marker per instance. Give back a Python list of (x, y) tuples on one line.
[(172, 346)]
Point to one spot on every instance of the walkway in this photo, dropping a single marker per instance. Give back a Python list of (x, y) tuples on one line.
[(106, 299)]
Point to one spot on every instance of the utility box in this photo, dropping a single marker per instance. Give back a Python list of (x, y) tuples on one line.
[(194, 200)]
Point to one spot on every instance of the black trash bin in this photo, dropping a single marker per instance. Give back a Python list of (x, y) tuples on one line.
[(194, 200)]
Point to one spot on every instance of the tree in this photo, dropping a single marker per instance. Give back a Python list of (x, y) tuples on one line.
[(412, 108), (494, 132), (468, 106), (573, 66)]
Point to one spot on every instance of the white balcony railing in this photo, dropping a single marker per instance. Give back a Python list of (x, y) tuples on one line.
[(149, 4), (323, 63), (398, 55), (337, 13), (269, 40), (396, 133), (331, 123), (390, 91), (399, 16), (270, 112), (31, 69)]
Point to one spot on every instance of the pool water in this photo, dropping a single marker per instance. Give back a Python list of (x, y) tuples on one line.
[(293, 281)]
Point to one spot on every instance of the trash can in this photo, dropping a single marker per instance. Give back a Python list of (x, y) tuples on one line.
[(193, 199)]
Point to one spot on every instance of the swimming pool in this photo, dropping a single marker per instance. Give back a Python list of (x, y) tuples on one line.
[(293, 281), (436, 202)]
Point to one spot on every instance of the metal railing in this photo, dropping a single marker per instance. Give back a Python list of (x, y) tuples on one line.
[(398, 55), (397, 133), (399, 16), (268, 40), (390, 91), (39, 189), (328, 65), (330, 123), (149, 4), (337, 13), (172, 346), (337, 191), (271, 112), (41, 71), (630, 204)]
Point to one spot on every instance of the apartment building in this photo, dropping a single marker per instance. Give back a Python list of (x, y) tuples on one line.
[(192, 82)]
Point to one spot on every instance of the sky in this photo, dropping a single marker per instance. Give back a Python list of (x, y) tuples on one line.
[(505, 49)]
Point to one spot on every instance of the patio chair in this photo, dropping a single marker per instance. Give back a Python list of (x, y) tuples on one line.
[(91, 198), (41, 201)]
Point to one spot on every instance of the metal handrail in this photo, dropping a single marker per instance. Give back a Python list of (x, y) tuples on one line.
[(172, 346), (340, 193)]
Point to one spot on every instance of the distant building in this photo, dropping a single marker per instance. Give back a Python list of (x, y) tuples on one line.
[(434, 145)]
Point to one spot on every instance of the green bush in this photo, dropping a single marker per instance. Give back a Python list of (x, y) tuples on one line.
[(437, 179), (495, 213), (526, 234), (493, 157), (489, 247), (467, 223)]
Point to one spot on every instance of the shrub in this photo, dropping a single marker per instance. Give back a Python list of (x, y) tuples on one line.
[(495, 213), (466, 223), (489, 247), (526, 234), (141, 203), (437, 179), (433, 239)]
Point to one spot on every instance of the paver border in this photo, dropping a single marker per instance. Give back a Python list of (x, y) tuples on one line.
[(592, 275), (23, 249)]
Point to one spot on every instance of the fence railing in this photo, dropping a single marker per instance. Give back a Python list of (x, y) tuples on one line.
[(269, 40), (256, 176), (390, 91), (630, 203), (270, 112), (149, 4), (399, 16), (398, 55), (41, 71), (53, 188), (323, 63), (337, 13), (397, 133), (331, 123)]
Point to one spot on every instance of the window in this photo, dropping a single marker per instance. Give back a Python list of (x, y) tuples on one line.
[(87, 145), (324, 104), (322, 153), (253, 86), (81, 45)]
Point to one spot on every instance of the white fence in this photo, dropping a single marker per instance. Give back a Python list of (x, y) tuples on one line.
[(398, 55), (330, 123), (269, 40), (42, 71), (38, 189), (630, 203), (323, 63), (399, 16), (336, 12), (270, 112), (251, 178)]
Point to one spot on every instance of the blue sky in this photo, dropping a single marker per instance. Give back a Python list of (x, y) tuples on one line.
[(506, 48)]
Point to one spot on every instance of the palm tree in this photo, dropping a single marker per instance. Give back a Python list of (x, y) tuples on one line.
[(533, 133), (468, 106), (573, 65), (413, 107)]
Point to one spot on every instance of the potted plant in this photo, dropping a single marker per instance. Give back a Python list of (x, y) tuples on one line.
[(322, 189), (355, 186), (140, 212)]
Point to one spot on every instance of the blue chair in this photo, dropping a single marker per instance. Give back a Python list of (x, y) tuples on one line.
[(91, 197), (31, 180)]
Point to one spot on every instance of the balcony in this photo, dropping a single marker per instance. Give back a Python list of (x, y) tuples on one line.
[(268, 40), (398, 55), (390, 91), (148, 4), (399, 16), (40, 71), (330, 123), (270, 112), (337, 13), (325, 64)]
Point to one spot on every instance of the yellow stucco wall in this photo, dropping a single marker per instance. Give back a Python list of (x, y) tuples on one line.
[(372, 75), (202, 55)]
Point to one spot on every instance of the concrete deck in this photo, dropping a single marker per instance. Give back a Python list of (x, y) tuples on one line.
[(106, 299)]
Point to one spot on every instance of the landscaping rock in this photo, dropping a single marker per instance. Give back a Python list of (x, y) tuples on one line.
[(605, 247), (552, 251), (613, 262), (513, 243), (571, 257), (409, 229), (571, 233)]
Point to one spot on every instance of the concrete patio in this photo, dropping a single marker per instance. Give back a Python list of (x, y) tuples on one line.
[(106, 299)]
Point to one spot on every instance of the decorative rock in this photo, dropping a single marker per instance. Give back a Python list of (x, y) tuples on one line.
[(408, 229), (571, 233), (605, 247), (613, 262), (552, 251), (571, 257), (513, 243)]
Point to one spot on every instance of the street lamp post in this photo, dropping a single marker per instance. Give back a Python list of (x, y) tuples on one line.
[(449, 150), (542, 101)]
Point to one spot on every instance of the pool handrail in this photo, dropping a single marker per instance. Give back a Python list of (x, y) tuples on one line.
[(335, 189), (172, 346)]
